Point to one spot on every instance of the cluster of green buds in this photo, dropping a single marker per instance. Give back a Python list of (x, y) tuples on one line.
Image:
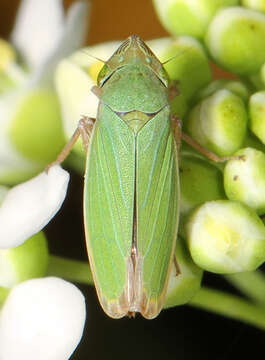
[(43, 95), (222, 204)]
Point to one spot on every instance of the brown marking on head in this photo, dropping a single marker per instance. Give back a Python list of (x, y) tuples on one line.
[(131, 50)]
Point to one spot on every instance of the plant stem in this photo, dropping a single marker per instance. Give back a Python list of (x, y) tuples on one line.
[(73, 270), (230, 306), (251, 284)]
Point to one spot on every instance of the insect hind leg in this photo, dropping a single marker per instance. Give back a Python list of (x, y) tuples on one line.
[(84, 129)]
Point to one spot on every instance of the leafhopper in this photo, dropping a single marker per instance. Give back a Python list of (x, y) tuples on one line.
[(131, 190)]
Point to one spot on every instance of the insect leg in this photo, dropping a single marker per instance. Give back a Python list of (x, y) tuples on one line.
[(84, 130), (210, 155), (177, 268), (176, 123), (96, 90), (173, 90)]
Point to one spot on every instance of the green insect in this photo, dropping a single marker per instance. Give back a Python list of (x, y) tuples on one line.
[(131, 195), (131, 184)]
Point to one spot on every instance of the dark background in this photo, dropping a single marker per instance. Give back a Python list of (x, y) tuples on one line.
[(179, 333)]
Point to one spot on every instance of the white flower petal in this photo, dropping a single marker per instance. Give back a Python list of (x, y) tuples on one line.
[(38, 28), (3, 192), (29, 206), (42, 319), (72, 38)]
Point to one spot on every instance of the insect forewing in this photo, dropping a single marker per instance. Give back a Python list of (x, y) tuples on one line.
[(131, 184)]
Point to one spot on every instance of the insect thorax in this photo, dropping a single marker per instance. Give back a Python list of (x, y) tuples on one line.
[(132, 88), (135, 119)]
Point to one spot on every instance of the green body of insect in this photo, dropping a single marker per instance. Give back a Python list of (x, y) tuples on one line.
[(131, 184)]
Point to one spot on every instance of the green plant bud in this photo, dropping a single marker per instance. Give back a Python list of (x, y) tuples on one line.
[(31, 133), (257, 115), (219, 123), (188, 17), (185, 61), (226, 237), (258, 5), (27, 261), (236, 87), (183, 287), (235, 39), (200, 181), (244, 180), (74, 78), (36, 128)]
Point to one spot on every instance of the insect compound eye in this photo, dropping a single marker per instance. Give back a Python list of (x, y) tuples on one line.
[(163, 76), (148, 60), (103, 74)]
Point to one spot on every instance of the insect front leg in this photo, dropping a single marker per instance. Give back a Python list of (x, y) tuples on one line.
[(173, 90), (84, 129), (177, 124), (177, 267)]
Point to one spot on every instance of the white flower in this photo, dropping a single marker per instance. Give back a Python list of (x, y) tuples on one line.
[(28, 207), (42, 319), (30, 121)]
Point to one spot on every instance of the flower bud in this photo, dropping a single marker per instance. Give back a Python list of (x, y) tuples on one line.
[(200, 181), (236, 87), (29, 206), (188, 17), (219, 123), (37, 116), (235, 39), (257, 114), (31, 133), (24, 262), (182, 287), (41, 319), (244, 180), (185, 61), (226, 237)]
